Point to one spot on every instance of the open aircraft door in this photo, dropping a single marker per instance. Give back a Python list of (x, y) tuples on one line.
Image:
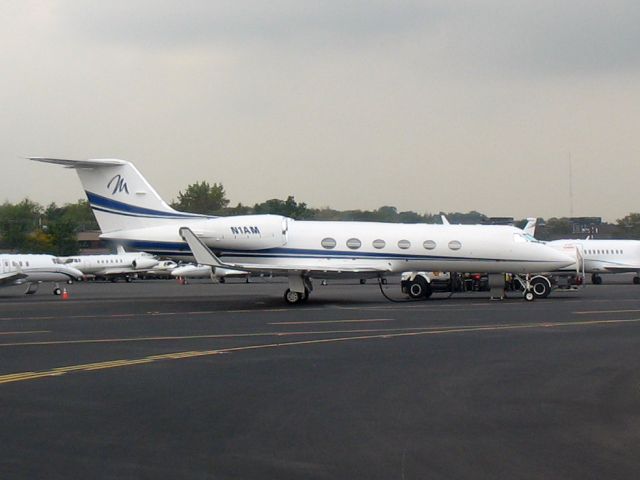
[(580, 269)]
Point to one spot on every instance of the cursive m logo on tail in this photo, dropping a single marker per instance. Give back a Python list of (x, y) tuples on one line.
[(119, 185)]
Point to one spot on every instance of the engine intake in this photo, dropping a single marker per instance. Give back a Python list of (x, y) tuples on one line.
[(245, 232)]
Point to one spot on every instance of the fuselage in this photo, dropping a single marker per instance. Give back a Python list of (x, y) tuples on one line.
[(19, 269), (275, 240), (602, 256), (111, 264)]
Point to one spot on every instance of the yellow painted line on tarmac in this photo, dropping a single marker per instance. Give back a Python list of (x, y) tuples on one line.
[(24, 376), (25, 332), (209, 336), (321, 322)]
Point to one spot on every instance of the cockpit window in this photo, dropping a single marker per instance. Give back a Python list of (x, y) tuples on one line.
[(524, 237)]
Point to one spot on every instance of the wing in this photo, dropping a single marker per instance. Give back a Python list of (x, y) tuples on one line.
[(10, 277), (622, 268), (205, 256)]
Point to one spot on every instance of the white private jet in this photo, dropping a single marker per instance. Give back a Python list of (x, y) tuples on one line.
[(162, 270), (112, 266), (32, 270), (130, 212), (206, 271), (596, 256), (603, 256)]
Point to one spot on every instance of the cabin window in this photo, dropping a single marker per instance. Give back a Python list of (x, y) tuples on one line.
[(354, 243), (455, 245), (27, 263), (429, 244), (404, 244), (328, 243), (379, 243)]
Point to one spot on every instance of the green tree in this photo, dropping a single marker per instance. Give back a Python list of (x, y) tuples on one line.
[(39, 242), (81, 214), (629, 226), (200, 197), (17, 222), (64, 223), (470, 218), (239, 209), (64, 236), (288, 208), (555, 228)]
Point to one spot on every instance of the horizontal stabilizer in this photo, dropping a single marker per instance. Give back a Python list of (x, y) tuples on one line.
[(94, 163)]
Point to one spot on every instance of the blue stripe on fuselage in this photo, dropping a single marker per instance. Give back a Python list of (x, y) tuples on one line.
[(108, 205), (178, 248)]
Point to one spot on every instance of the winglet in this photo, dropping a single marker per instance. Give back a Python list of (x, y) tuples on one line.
[(201, 252)]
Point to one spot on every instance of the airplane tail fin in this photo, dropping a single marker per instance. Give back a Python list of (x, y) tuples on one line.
[(120, 197), (530, 227)]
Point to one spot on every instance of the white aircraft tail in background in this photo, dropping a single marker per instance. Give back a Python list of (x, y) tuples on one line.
[(530, 227)]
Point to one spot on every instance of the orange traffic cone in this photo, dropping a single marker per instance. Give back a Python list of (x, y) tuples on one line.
[(65, 294)]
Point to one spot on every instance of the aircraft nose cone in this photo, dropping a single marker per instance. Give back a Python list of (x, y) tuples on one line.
[(561, 259)]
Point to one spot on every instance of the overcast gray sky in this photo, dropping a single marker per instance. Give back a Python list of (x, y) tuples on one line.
[(425, 105)]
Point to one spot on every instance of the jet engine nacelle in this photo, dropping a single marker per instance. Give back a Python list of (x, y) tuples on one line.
[(244, 232), (143, 263)]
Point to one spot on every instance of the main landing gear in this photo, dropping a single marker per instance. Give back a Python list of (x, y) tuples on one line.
[(298, 291), (293, 298)]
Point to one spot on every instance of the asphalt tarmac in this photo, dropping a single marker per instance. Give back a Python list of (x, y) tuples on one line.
[(204, 381)]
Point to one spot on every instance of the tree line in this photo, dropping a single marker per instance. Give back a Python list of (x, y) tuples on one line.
[(29, 227)]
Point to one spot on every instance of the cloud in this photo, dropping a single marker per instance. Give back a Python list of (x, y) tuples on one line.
[(537, 37), (286, 23)]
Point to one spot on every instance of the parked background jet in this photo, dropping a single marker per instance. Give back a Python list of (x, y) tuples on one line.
[(112, 266), (32, 270), (207, 271), (162, 270), (600, 256)]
